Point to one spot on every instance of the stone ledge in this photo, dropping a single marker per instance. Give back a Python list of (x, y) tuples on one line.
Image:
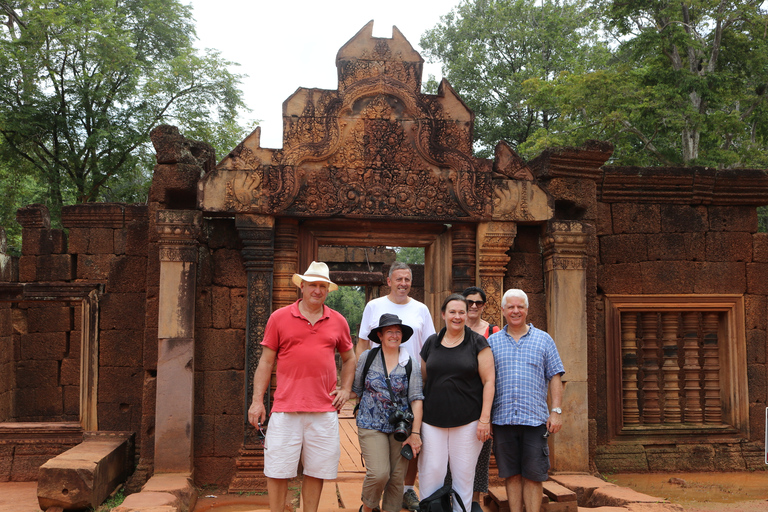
[(164, 492)]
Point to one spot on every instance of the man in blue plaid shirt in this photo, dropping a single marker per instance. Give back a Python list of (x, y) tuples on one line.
[(527, 367)]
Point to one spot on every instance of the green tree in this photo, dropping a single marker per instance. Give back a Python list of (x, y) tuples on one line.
[(349, 301), (82, 83), (489, 48), (687, 86), (410, 255)]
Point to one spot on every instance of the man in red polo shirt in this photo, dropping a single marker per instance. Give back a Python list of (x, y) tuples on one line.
[(303, 339)]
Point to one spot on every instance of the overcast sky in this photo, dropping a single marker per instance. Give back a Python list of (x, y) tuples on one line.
[(286, 44)]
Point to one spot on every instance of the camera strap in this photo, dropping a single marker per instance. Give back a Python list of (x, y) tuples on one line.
[(386, 378)]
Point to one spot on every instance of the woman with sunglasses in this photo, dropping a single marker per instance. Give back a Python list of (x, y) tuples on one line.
[(475, 304)]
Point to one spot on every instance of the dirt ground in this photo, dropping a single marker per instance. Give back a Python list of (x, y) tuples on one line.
[(703, 492)]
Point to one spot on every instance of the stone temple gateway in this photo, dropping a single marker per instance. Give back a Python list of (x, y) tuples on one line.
[(145, 320)]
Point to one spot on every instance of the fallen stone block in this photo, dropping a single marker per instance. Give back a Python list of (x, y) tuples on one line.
[(179, 485), (582, 484), (149, 502), (615, 496), (86, 474)]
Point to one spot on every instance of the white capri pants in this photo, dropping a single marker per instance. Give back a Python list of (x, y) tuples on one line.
[(457, 446)]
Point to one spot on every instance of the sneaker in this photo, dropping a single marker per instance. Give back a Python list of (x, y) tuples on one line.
[(410, 500)]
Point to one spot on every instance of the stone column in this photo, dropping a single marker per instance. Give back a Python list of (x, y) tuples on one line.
[(178, 231), (464, 253), (494, 239), (257, 234), (565, 272)]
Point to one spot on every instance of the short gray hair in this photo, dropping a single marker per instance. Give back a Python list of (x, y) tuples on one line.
[(399, 265), (514, 292)]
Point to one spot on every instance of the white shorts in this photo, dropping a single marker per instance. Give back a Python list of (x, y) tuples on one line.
[(312, 437)]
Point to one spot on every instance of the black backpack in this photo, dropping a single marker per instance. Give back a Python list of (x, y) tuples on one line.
[(440, 501)]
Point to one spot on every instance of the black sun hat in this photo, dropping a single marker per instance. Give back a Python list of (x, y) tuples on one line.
[(386, 320)]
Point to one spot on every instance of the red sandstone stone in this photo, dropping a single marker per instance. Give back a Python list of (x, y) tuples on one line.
[(219, 349), (149, 502), (34, 216), (219, 392), (36, 241), (78, 240), (49, 345), (239, 308), (623, 249), (220, 234), (150, 348), (228, 269), (720, 277), (760, 247), (28, 269), (204, 435), (96, 215), (755, 307), (620, 278), (636, 218), (71, 402), (37, 404), (679, 218), (676, 247), (122, 311), (221, 307), (733, 218), (127, 274), (603, 222), (175, 185), (229, 430), (120, 385), (216, 470), (757, 278), (35, 374), (203, 309), (620, 496), (136, 238), (756, 346), (115, 416), (728, 246), (757, 377), (50, 318), (121, 348), (83, 476), (55, 267), (101, 241)]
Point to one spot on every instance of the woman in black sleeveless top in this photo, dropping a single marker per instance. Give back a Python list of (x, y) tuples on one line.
[(459, 384)]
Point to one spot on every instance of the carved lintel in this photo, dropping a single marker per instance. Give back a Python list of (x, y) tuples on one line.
[(179, 252), (565, 245), (179, 224), (494, 239)]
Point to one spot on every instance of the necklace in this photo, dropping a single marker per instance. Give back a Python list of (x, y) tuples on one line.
[(452, 342)]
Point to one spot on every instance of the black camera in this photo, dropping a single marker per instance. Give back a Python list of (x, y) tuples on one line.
[(402, 421)]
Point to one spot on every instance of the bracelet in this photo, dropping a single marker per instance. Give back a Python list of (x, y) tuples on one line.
[(417, 433), (484, 422)]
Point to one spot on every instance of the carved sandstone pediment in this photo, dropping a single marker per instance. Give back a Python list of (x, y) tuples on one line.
[(376, 148)]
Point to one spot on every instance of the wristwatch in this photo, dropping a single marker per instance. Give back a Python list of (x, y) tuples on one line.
[(557, 410)]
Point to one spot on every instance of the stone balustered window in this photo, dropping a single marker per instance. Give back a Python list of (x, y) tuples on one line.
[(676, 365)]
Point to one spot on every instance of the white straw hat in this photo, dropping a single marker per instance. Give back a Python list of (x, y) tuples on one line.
[(317, 271)]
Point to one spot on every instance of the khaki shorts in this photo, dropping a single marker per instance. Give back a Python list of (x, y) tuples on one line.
[(312, 437)]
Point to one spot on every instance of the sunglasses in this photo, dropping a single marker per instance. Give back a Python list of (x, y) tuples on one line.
[(478, 303)]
